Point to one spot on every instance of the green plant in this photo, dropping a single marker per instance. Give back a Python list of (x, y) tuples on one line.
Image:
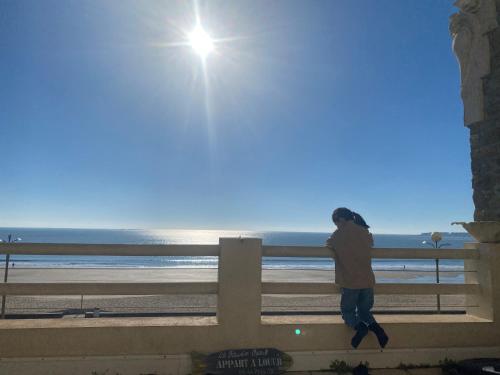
[(365, 363), (340, 367), (449, 366), (408, 366)]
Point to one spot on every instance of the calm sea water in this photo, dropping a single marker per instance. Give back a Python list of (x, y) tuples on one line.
[(107, 236)]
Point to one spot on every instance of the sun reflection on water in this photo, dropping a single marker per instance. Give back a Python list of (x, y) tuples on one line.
[(196, 237)]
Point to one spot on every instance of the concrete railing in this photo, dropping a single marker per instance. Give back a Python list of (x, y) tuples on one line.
[(472, 287), (37, 289), (239, 322), (108, 288)]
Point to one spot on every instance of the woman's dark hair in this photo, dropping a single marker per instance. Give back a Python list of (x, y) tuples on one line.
[(347, 214), (358, 219), (342, 213)]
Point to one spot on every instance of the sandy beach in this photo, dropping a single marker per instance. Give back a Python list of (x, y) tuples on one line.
[(73, 305)]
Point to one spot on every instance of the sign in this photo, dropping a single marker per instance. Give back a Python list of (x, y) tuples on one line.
[(266, 361)]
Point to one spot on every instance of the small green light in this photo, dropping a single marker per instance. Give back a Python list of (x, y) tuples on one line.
[(298, 331)]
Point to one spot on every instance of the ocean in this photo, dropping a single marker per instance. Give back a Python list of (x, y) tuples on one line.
[(127, 236)]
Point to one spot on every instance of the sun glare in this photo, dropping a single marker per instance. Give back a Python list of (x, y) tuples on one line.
[(201, 42)]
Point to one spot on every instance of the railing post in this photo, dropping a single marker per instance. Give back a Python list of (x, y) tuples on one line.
[(438, 296), (239, 296), (486, 304), (5, 277)]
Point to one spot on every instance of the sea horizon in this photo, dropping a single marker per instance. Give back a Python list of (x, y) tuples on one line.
[(274, 238), (3, 229)]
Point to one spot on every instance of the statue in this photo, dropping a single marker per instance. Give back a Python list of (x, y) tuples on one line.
[(468, 29)]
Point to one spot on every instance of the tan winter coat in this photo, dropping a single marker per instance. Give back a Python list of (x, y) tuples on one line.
[(353, 263)]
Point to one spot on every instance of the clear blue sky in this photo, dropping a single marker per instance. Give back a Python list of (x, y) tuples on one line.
[(107, 120)]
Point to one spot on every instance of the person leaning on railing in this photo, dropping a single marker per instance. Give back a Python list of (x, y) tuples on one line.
[(352, 243)]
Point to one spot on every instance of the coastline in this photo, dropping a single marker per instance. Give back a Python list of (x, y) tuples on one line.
[(202, 303), (158, 274)]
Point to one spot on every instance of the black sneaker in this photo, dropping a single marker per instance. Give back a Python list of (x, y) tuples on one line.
[(382, 337), (361, 332)]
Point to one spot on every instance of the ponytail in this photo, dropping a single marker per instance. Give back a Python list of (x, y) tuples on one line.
[(358, 219)]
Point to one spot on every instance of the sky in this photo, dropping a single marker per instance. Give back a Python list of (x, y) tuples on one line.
[(109, 119)]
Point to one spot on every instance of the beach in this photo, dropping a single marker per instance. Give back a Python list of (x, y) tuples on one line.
[(72, 306)]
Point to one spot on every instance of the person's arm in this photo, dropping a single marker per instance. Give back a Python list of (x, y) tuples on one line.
[(330, 242), (370, 240)]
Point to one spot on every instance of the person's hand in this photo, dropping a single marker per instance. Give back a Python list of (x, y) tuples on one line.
[(329, 242)]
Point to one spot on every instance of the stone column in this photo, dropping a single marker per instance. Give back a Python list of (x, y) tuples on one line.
[(240, 291), (482, 271), (476, 43)]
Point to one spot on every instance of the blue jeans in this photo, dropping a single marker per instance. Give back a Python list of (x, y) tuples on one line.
[(355, 306)]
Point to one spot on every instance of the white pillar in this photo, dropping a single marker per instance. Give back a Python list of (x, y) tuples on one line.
[(486, 304), (240, 289)]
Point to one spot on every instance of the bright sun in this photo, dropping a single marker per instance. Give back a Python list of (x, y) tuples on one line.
[(201, 42)]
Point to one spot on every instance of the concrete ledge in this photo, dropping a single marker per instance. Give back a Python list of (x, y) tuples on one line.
[(388, 358), (212, 321), (383, 319), (179, 335), (384, 371), (181, 364), (19, 324)]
